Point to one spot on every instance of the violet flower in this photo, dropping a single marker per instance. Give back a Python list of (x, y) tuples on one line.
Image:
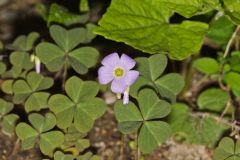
[(117, 70)]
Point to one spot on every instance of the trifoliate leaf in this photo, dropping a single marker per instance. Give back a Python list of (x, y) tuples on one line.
[(207, 65)]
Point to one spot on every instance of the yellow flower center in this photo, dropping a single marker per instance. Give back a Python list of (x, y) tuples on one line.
[(118, 72)]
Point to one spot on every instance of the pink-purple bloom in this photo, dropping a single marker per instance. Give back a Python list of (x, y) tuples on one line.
[(117, 70)]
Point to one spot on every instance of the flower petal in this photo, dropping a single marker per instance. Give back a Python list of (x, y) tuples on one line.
[(131, 77), (118, 86), (105, 74), (126, 96), (111, 59), (127, 61)]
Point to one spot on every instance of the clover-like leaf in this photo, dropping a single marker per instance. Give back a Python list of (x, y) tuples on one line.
[(88, 156), (151, 106), (128, 116), (37, 101), (213, 99), (5, 107), (27, 135), (34, 82), (170, 85), (49, 141), (152, 131), (21, 60), (25, 43), (61, 156), (152, 68), (152, 134), (148, 26), (80, 59), (227, 150), (3, 68), (67, 39), (82, 144), (82, 108), (9, 122), (39, 131), (6, 86), (41, 123)]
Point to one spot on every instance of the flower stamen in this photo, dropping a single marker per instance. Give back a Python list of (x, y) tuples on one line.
[(118, 72)]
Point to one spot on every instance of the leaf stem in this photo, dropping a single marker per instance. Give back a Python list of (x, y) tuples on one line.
[(122, 147), (230, 42), (64, 74)]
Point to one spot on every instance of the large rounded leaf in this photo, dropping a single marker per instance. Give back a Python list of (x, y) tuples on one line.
[(207, 65), (213, 99)]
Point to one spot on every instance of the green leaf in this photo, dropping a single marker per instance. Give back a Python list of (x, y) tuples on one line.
[(232, 79), (189, 8), (60, 156), (151, 106), (21, 60), (84, 6), (221, 30), (152, 134), (170, 85), (213, 99), (67, 39), (152, 130), (41, 123), (3, 68), (82, 144), (140, 83), (148, 27), (152, 68), (38, 82), (63, 108), (5, 107), (83, 107), (51, 55), (37, 101), (227, 150), (128, 116), (234, 61), (233, 10), (9, 123), (25, 43), (7, 86), (196, 130), (79, 90), (27, 135), (83, 58), (60, 14), (50, 141), (207, 65), (34, 82)]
